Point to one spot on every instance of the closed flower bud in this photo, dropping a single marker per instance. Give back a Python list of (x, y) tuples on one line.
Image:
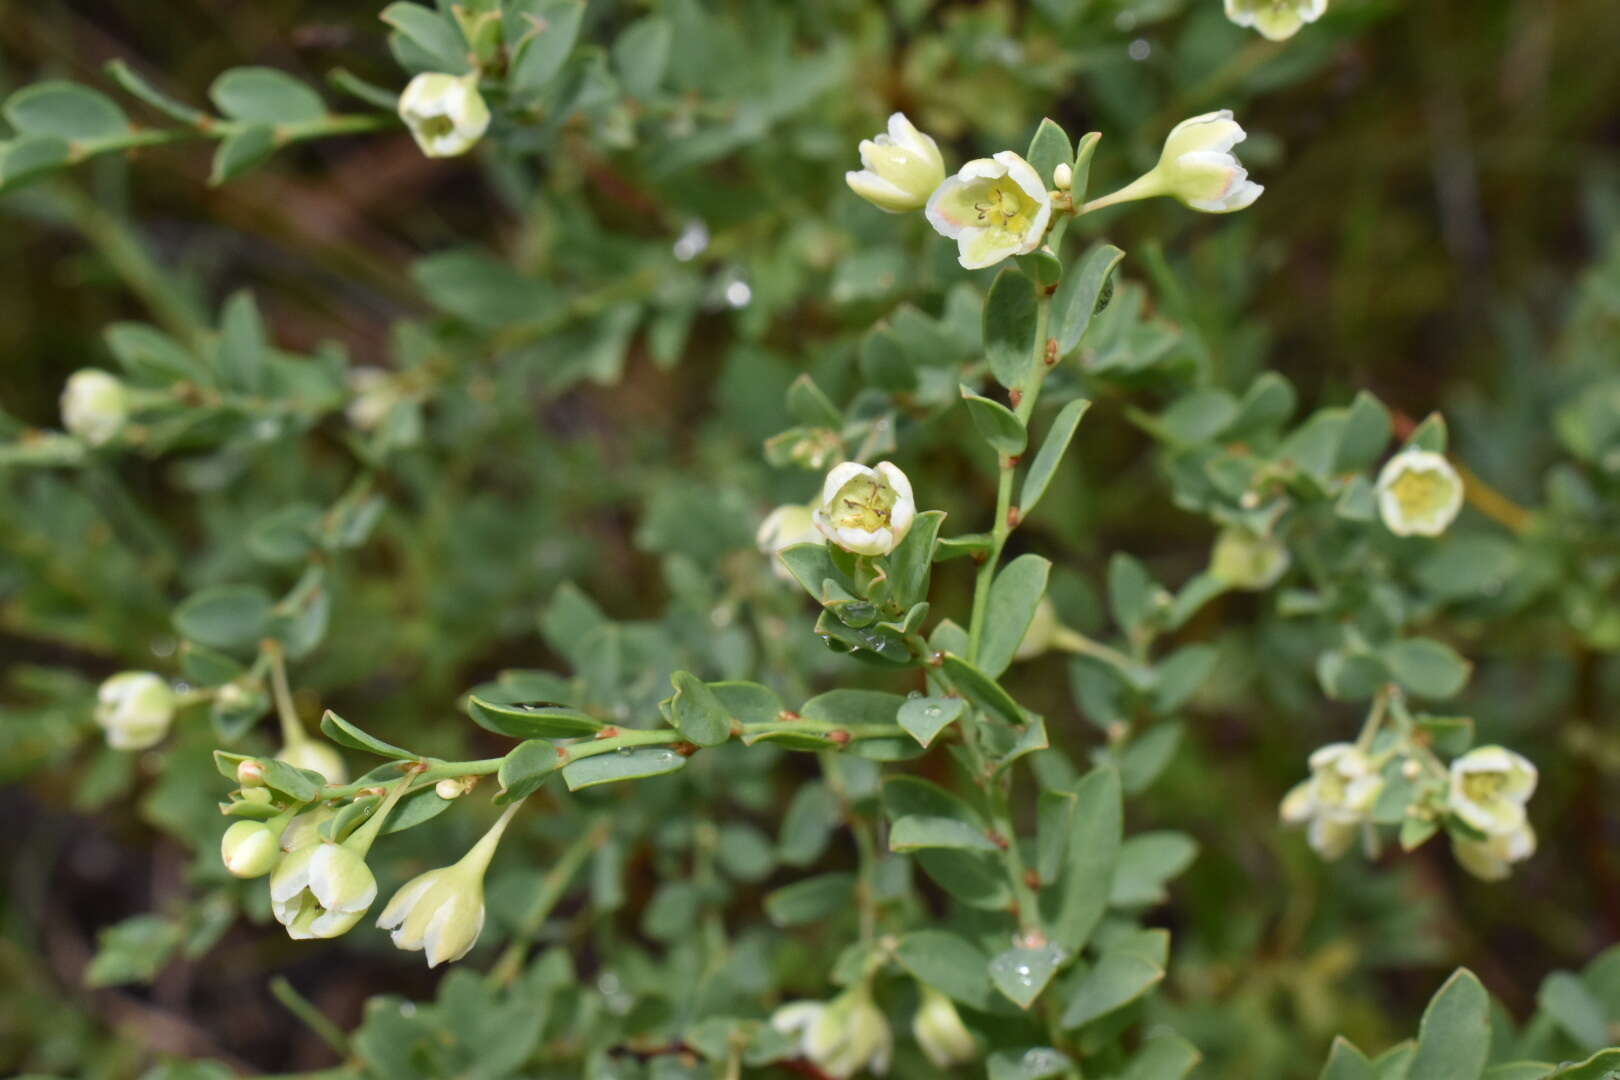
[(1063, 176), (1489, 787), (250, 773), (1335, 800), (375, 393), (441, 912), (784, 527), (305, 829), (135, 708), (1243, 560), (446, 114), (1419, 493), (939, 1030), (1492, 859), (250, 849), (316, 756), (1197, 168), (840, 1037), (94, 406), (1275, 19), (901, 168), (993, 208), (321, 890), (866, 510)]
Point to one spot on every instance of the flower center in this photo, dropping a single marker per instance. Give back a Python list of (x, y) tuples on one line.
[(1421, 492), (1483, 787), (436, 127), (864, 503), (1004, 205)]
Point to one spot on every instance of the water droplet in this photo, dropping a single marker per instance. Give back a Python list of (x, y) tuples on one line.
[(1139, 49), (738, 294), (692, 242), (933, 712)]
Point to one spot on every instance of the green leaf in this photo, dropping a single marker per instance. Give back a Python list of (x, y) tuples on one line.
[(224, 616), (1022, 973), (812, 565), (1014, 596), (415, 809), (241, 151), (1565, 998), (810, 900), (1345, 1062), (539, 56), (696, 713), (853, 708), (1010, 322), (1132, 593), (1118, 979), (1050, 455), (531, 721), (133, 951), (1165, 1055), (242, 344), (29, 157), (1600, 1066), (810, 406), (1146, 862), (915, 832), (261, 95), (341, 731), (747, 702), (1430, 435), (526, 768), (65, 110), (1366, 433), (1072, 907), (972, 878), (926, 717), (1056, 811), (911, 563), (909, 796), (137, 86), (1426, 667), (299, 785), (1179, 676), (1076, 299), (949, 963), (996, 424), (641, 55), (1048, 149), (437, 40), (808, 824), (1083, 151), (1454, 1038), (1029, 1063), (635, 764), (982, 690)]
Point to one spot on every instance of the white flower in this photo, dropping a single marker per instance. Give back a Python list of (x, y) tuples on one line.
[(441, 912), (94, 406), (939, 1030), (1489, 787), (1243, 560), (316, 756), (784, 527), (1275, 19), (1492, 859), (994, 207), (866, 510), (135, 708), (375, 393), (320, 890), (1198, 167), (842, 1036), (445, 113), (902, 168), (1341, 790), (249, 849), (1419, 493)]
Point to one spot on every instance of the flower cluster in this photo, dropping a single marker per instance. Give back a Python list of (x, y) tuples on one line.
[(850, 1033)]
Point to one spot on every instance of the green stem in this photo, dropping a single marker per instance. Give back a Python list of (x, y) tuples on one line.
[(313, 1018), (478, 856), (292, 730), (1145, 186), (299, 131), (361, 839)]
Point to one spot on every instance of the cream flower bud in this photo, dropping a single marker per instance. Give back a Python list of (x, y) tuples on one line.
[(840, 1037), (375, 393), (1063, 176), (901, 168), (1492, 859), (249, 849), (784, 527), (135, 708), (866, 510), (446, 114), (94, 406), (1335, 800), (250, 773), (939, 1030), (1242, 560), (1489, 787), (1419, 493), (1275, 19), (441, 912), (321, 890), (1198, 167), (994, 207), (316, 756)]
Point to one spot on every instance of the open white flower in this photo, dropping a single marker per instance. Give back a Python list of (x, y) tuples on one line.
[(784, 527), (1335, 800), (1275, 19), (1489, 787), (1419, 493), (94, 406), (1492, 859), (446, 114), (441, 912), (321, 890), (994, 207), (135, 709), (939, 1030), (866, 510), (842, 1036), (1196, 167), (901, 168)]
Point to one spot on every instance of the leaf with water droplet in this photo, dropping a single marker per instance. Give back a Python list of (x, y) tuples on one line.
[(634, 764), (531, 721), (1022, 973), (1036, 1063), (926, 717)]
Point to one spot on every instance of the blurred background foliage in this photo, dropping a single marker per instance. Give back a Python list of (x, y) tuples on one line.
[(603, 315)]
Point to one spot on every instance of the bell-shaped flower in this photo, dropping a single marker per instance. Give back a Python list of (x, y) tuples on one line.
[(441, 912), (321, 890), (784, 527), (994, 207), (939, 1030), (94, 406), (1196, 167), (1419, 493), (250, 849), (1275, 19), (1489, 787), (866, 510), (1335, 800), (1492, 859), (135, 709), (316, 756), (446, 114), (900, 169), (840, 1037), (1245, 560)]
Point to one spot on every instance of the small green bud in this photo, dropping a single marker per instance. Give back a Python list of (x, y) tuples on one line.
[(250, 849), (1063, 176), (939, 1030), (1243, 560), (135, 708), (250, 773)]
